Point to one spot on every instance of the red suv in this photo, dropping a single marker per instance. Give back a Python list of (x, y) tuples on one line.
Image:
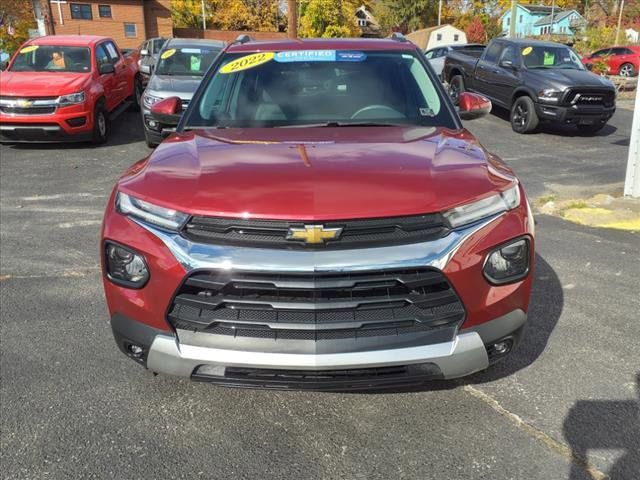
[(624, 61), (66, 88), (320, 219)]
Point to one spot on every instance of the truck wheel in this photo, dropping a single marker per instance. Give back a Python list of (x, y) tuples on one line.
[(524, 118), (456, 87), (100, 124), (590, 129), (627, 70), (136, 96)]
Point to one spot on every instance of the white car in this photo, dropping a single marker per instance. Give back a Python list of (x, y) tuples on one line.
[(437, 55)]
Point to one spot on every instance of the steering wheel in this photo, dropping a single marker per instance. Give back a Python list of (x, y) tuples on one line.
[(377, 111)]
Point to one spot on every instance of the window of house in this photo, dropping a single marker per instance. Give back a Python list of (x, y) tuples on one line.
[(130, 30), (521, 18), (104, 11), (438, 36), (508, 21), (362, 22), (456, 37), (81, 11)]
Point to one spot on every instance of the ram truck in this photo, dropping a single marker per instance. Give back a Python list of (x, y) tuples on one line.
[(66, 88), (320, 219), (536, 81)]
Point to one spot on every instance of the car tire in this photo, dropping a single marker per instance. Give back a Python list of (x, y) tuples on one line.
[(136, 96), (456, 87), (524, 118), (149, 142), (101, 128), (627, 70), (590, 129)]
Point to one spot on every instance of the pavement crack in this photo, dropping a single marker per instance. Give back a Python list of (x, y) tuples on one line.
[(551, 443)]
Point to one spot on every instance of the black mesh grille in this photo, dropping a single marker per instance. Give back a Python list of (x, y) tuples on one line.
[(316, 307), (355, 233), (590, 97), (27, 110)]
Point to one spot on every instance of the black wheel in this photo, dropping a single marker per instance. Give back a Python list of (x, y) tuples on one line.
[(100, 124), (149, 142), (627, 70), (456, 87), (590, 129), (524, 118), (136, 96)]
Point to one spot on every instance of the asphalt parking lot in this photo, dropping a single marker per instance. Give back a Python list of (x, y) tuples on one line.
[(566, 405)]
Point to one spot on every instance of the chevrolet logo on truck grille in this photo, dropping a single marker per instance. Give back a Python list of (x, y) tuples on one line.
[(313, 234), (24, 103)]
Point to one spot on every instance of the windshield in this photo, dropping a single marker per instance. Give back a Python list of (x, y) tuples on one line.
[(319, 88), (52, 58), (551, 57), (186, 61)]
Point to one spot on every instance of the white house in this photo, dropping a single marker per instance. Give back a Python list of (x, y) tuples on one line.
[(633, 36), (428, 38)]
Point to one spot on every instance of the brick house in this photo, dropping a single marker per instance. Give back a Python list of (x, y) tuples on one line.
[(128, 22)]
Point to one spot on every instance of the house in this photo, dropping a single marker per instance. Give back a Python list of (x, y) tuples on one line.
[(367, 23), (432, 37), (632, 35), (536, 20), (128, 22)]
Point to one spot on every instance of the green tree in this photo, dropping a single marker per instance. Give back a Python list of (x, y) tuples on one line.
[(17, 19), (329, 18)]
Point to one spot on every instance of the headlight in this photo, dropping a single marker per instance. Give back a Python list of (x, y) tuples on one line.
[(508, 263), (149, 100), (549, 95), (71, 99), (147, 212), (125, 267), (472, 212)]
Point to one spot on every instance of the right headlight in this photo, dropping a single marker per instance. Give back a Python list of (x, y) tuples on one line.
[(149, 100), (487, 207), (166, 218)]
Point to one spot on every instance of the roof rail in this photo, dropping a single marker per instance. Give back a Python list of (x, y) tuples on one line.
[(243, 38), (398, 37)]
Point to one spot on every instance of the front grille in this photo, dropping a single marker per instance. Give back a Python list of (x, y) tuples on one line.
[(316, 307), (586, 97), (355, 233), (7, 110)]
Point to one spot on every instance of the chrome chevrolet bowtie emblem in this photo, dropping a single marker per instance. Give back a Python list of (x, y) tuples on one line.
[(313, 234), (24, 103)]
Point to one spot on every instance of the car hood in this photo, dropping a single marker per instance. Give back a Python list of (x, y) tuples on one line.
[(317, 173), (41, 84), (567, 78), (169, 85)]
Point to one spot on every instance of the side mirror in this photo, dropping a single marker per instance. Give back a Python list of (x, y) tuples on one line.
[(144, 52), (589, 66), (167, 112), (3, 65), (473, 105), (145, 68), (507, 64), (106, 68)]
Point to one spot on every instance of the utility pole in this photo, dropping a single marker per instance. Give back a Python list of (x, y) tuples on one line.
[(292, 27), (553, 18), (619, 21), (512, 20), (204, 16), (439, 12), (632, 179)]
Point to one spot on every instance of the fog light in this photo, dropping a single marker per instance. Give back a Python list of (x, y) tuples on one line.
[(135, 350), (501, 347), (508, 263), (125, 267)]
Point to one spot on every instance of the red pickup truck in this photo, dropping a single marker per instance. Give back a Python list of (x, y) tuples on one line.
[(66, 88)]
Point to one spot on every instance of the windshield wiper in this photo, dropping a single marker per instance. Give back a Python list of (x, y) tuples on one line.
[(341, 124)]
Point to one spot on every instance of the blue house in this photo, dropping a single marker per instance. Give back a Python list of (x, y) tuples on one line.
[(536, 20)]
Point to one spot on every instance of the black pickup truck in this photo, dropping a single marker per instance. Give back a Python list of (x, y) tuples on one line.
[(537, 81)]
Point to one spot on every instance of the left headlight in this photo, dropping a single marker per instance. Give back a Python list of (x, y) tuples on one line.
[(147, 212), (71, 99), (473, 212), (150, 100)]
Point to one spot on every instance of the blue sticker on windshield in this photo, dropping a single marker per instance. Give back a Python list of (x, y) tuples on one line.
[(319, 56)]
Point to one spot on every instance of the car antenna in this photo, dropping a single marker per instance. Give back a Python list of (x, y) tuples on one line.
[(398, 37), (242, 38)]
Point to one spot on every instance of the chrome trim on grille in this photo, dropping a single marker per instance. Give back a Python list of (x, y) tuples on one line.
[(436, 253)]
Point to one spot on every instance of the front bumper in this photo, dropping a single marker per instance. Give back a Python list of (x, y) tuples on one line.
[(468, 352), (575, 114), (68, 124)]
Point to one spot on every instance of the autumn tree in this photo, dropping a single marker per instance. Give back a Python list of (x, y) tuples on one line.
[(16, 19), (329, 18), (475, 32)]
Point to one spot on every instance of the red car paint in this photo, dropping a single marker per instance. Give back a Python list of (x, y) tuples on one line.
[(113, 88), (616, 57), (318, 174)]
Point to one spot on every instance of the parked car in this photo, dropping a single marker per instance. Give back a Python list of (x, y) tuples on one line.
[(181, 65), (66, 88), (623, 61), (149, 50), (537, 81), (320, 219), (437, 55)]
